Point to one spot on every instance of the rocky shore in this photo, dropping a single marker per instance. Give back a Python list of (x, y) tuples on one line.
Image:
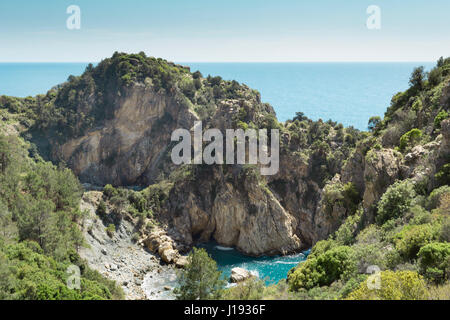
[(118, 258)]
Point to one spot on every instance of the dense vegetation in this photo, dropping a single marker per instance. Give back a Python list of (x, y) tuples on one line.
[(39, 234)]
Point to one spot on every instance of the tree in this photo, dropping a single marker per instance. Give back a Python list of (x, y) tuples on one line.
[(201, 280), (435, 76), (300, 116), (8, 229), (373, 123), (417, 78), (197, 75), (34, 221)]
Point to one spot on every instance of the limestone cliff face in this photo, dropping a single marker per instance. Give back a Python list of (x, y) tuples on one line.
[(234, 210), (128, 149)]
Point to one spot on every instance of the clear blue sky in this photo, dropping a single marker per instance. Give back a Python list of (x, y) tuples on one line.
[(229, 30)]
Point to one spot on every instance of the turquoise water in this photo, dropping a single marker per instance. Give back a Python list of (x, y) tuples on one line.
[(349, 93), (30, 79), (271, 269)]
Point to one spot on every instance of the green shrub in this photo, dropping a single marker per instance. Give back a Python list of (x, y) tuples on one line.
[(443, 176), (345, 235), (101, 208), (321, 247), (370, 235), (434, 198), (110, 230), (396, 201), (401, 285), (419, 216), (251, 289), (439, 118), (409, 241), (109, 191), (444, 234), (410, 138), (333, 265), (434, 261)]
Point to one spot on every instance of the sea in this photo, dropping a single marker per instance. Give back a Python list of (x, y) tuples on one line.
[(349, 93)]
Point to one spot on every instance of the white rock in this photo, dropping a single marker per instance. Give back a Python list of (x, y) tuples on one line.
[(239, 275)]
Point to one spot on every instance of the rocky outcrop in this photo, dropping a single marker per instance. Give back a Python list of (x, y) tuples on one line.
[(235, 210), (382, 168), (239, 275), (129, 147), (159, 242)]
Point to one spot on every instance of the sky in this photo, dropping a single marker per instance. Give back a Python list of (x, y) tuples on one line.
[(225, 31)]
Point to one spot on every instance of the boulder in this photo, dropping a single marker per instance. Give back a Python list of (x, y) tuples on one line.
[(168, 255), (182, 262), (239, 275)]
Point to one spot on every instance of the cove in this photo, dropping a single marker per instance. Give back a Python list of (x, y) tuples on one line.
[(271, 269)]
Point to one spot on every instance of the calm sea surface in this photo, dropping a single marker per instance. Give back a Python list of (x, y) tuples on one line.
[(349, 93)]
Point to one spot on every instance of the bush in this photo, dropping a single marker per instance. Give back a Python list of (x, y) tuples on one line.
[(439, 118), (434, 199), (445, 230), (333, 265), (396, 201), (419, 216), (409, 241), (109, 191), (443, 176), (101, 208), (401, 285), (410, 138), (321, 247), (345, 235), (110, 230), (344, 195), (434, 261), (369, 255), (251, 289)]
